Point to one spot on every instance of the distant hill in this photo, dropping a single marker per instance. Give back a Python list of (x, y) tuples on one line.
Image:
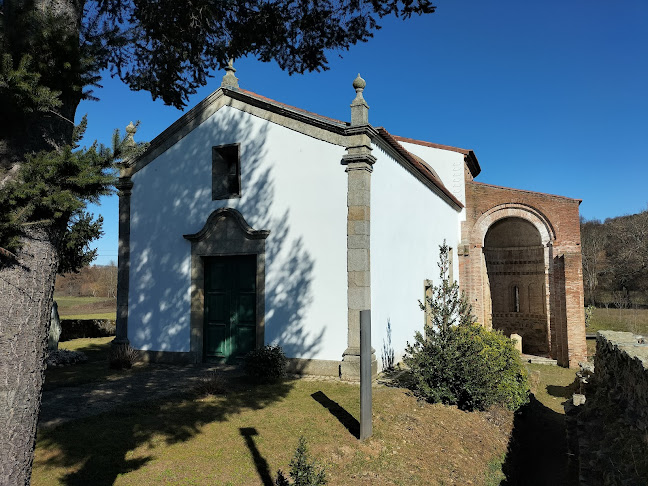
[(615, 261)]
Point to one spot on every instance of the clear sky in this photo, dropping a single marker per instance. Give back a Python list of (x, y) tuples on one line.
[(552, 97)]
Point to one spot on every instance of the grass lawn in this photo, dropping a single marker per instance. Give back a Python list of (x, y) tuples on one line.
[(86, 307), (631, 320), (243, 437)]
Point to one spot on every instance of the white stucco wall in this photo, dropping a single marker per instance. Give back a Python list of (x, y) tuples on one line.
[(292, 185), (448, 165), (408, 223)]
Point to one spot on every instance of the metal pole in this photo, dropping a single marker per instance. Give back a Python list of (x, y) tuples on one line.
[(365, 374)]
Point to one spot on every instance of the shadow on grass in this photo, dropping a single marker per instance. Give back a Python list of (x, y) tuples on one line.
[(345, 418), (561, 391), (95, 369), (97, 449), (537, 450), (260, 463)]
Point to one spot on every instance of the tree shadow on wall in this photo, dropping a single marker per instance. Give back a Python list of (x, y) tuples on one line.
[(178, 200)]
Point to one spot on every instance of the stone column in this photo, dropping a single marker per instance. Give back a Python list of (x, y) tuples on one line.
[(124, 187), (359, 165)]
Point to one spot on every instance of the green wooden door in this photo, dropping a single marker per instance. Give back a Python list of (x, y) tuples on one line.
[(230, 307)]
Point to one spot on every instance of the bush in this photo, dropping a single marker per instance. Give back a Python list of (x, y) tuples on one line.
[(212, 383), (460, 362), (266, 364), (303, 471), (469, 366), (64, 357), (122, 357)]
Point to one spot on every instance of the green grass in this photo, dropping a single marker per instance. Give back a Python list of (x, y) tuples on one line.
[(104, 315), (86, 307), (551, 385), (630, 320), (251, 431)]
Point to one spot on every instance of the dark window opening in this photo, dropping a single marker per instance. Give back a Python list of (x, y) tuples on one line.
[(516, 299), (226, 172)]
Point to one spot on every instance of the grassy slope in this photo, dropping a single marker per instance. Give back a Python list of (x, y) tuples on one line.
[(243, 437), (86, 307)]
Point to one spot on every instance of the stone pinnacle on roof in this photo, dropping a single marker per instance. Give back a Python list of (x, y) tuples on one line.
[(130, 134), (359, 107), (229, 80)]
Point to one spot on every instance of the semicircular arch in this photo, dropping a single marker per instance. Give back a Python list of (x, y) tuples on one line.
[(513, 210)]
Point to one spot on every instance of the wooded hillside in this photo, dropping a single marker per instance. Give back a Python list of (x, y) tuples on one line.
[(615, 261), (93, 281)]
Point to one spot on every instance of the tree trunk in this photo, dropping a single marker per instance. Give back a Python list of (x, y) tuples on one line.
[(26, 291)]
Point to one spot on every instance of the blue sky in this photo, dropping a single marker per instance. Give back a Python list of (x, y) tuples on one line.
[(552, 97)]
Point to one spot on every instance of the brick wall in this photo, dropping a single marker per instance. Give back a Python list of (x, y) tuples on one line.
[(557, 220)]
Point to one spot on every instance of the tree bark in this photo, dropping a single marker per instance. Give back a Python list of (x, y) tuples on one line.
[(26, 291), (27, 283)]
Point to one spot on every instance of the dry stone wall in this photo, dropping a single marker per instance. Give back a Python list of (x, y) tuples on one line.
[(612, 425)]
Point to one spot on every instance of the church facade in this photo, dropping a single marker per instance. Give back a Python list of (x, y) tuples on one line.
[(251, 222)]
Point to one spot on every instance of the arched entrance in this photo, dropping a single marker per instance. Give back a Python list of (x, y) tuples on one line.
[(516, 267)]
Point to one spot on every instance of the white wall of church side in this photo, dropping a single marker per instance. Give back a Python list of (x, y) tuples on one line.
[(408, 223), (292, 185), (448, 165)]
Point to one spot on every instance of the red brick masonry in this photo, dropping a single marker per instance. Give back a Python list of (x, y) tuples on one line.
[(557, 220)]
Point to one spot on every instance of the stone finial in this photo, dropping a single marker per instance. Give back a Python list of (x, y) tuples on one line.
[(359, 107), (359, 84), (229, 80), (130, 135)]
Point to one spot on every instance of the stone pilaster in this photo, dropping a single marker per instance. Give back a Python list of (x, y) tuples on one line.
[(124, 188), (359, 165)]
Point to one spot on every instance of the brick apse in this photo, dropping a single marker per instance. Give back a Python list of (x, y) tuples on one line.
[(520, 265)]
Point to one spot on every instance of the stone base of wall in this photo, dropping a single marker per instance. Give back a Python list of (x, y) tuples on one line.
[(166, 357), (317, 367), (609, 433), (294, 366)]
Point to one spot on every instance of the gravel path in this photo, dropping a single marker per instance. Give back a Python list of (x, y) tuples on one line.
[(67, 403)]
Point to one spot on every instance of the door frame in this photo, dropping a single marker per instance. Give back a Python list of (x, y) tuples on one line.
[(225, 233)]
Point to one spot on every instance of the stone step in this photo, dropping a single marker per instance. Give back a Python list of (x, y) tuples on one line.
[(529, 358)]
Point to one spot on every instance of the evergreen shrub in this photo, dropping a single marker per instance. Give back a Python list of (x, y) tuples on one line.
[(303, 471), (469, 366), (266, 364), (457, 361)]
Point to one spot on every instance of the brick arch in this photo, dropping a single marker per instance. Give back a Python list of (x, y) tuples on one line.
[(501, 211)]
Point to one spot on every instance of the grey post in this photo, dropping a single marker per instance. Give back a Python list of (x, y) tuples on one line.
[(365, 374)]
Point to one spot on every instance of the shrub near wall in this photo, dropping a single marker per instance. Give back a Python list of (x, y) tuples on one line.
[(86, 328), (468, 366)]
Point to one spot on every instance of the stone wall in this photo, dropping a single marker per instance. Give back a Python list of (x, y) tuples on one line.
[(612, 425), (86, 328)]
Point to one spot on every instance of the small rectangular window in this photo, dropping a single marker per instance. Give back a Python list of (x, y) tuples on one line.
[(226, 171)]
